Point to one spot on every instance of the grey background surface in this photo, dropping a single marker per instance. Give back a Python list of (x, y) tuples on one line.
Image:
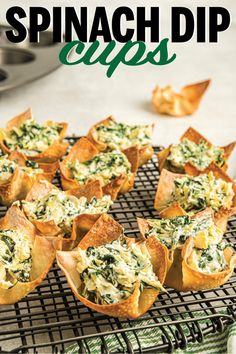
[(82, 95)]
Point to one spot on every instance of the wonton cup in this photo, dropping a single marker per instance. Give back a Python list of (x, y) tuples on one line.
[(53, 153), (194, 280), (145, 152), (81, 223), (43, 254), (84, 150), (192, 135), (20, 183), (104, 231), (166, 187), (180, 275), (174, 104)]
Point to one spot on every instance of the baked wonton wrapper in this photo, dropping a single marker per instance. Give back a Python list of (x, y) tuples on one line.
[(84, 150), (43, 254), (81, 223), (180, 275), (53, 153), (192, 135), (166, 187), (17, 187), (104, 231), (145, 152), (171, 103)]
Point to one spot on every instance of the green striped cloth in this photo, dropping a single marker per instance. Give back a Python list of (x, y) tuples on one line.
[(149, 337)]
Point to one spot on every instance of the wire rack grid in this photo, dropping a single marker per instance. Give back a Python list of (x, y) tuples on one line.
[(50, 319)]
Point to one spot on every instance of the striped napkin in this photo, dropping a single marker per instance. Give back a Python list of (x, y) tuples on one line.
[(214, 343)]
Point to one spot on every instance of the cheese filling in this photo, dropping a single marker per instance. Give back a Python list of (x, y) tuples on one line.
[(122, 136), (174, 232), (109, 273), (198, 193), (210, 260), (200, 155), (32, 138), (63, 208), (104, 167), (8, 167), (15, 258)]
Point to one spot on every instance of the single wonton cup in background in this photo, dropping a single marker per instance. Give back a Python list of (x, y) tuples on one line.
[(166, 187), (53, 153), (180, 275), (145, 152), (17, 187), (194, 136), (104, 231), (81, 223), (43, 254), (84, 150), (174, 104)]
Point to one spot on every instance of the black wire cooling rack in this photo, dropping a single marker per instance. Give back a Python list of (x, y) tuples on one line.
[(51, 319)]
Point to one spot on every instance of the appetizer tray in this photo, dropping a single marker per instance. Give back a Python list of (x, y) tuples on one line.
[(50, 319)]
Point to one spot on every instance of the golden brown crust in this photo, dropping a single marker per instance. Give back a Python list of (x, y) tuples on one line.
[(172, 211), (17, 187), (165, 189), (145, 152), (105, 230), (184, 103), (83, 151), (192, 135), (53, 153), (43, 254), (162, 158)]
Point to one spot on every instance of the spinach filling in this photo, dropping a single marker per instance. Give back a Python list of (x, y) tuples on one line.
[(198, 193), (8, 167), (15, 258), (32, 138), (122, 136), (109, 273), (63, 208), (174, 232), (200, 155), (210, 260), (104, 167), (207, 255)]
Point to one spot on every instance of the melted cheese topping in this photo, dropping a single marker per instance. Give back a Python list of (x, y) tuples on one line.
[(122, 136), (210, 260), (198, 193), (32, 138), (200, 155), (63, 208), (109, 273), (104, 167), (8, 167), (174, 232), (15, 258)]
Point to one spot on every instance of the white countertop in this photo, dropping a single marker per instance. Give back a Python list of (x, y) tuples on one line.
[(82, 94)]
